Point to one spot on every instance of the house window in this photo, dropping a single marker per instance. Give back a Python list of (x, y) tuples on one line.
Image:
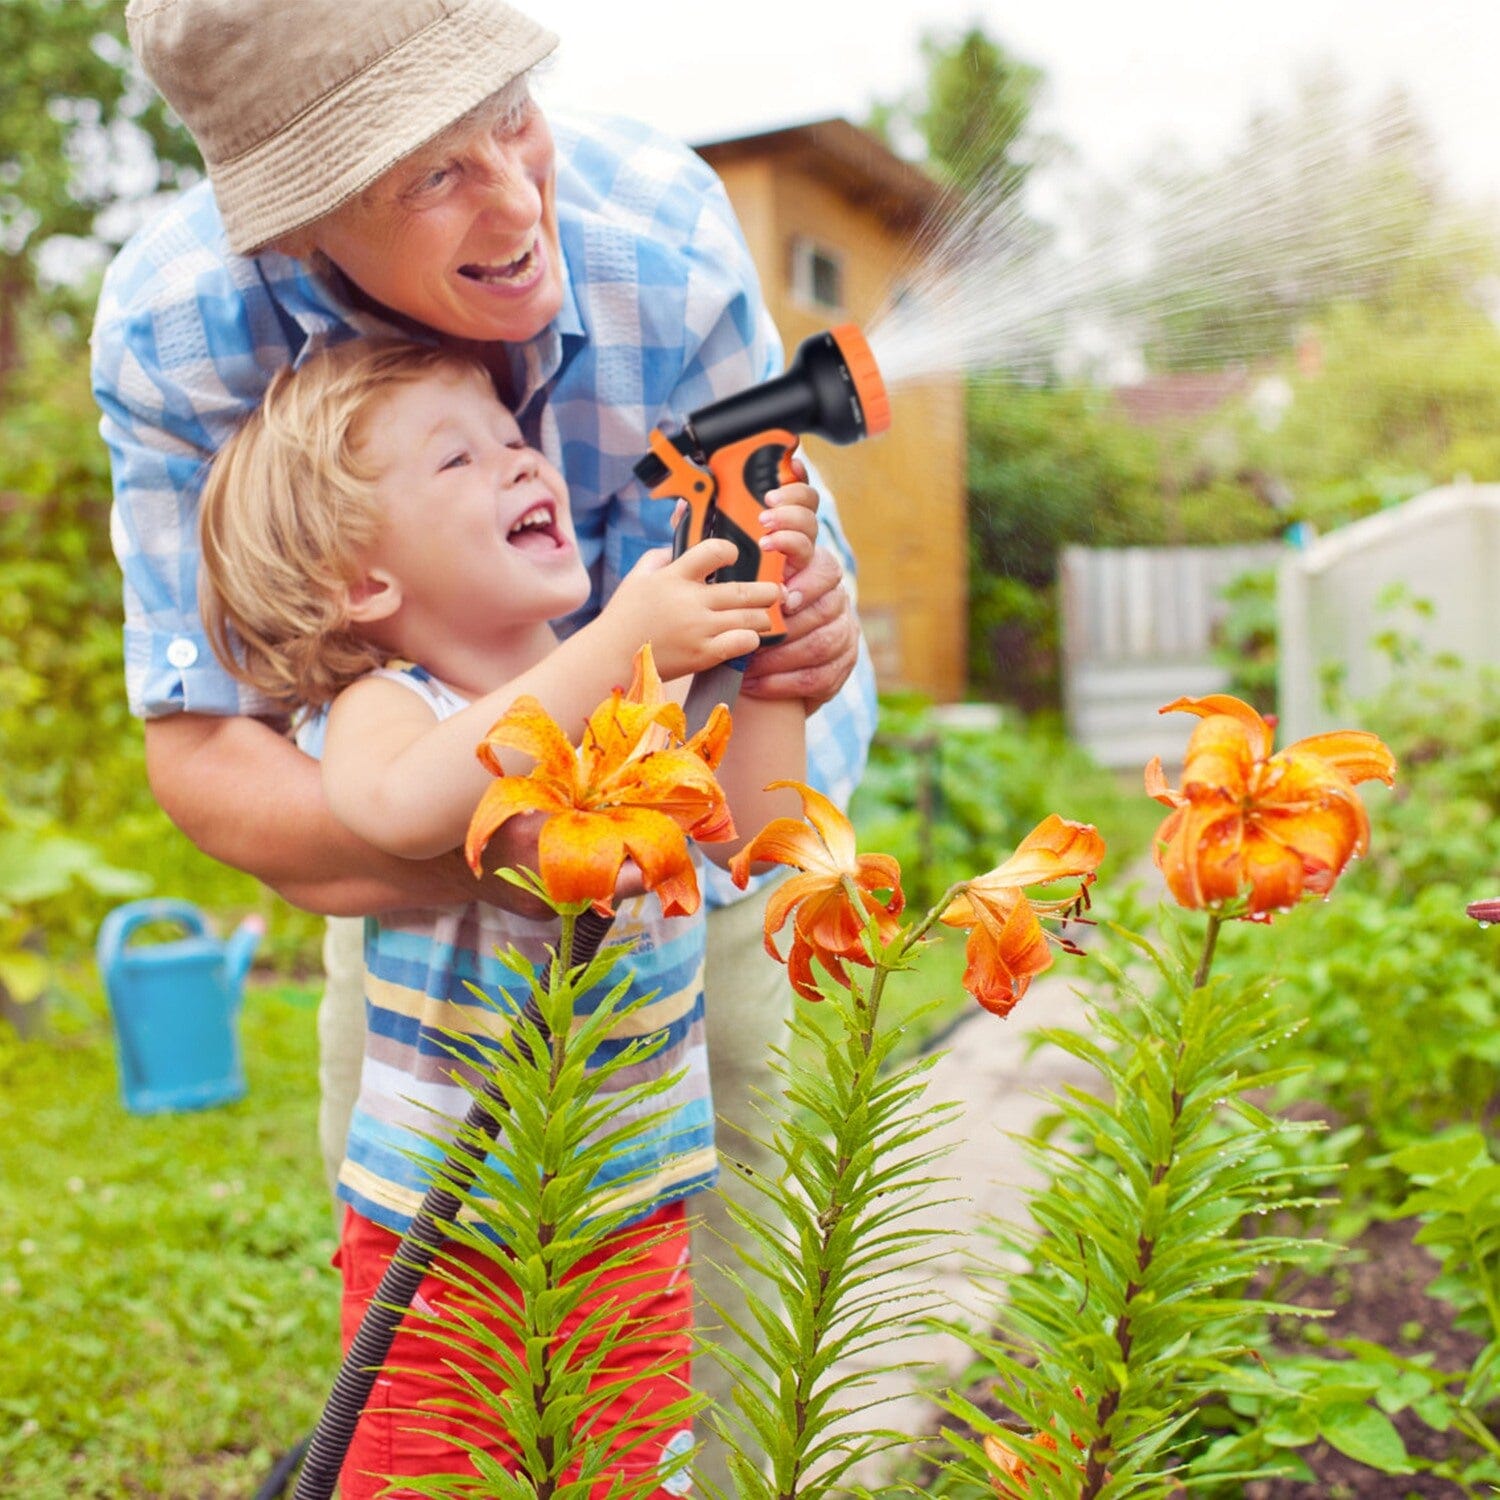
[(817, 275)]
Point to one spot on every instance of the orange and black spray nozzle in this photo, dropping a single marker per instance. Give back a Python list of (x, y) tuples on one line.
[(732, 454)]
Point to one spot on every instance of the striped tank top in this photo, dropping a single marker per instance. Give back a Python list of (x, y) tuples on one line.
[(418, 966)]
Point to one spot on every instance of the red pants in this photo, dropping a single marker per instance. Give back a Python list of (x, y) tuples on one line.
[(406, 1432)]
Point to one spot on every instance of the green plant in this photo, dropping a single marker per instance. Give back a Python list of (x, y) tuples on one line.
[(75, 761), (854, 1134), (1396, 991), (1455, 1182), (1142, 1298), (1347, 1399), (540, 1199), (40, 869), (851, 1124), (1136, 1301)]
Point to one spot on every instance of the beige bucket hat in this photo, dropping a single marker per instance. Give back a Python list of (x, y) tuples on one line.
[(297, 105)]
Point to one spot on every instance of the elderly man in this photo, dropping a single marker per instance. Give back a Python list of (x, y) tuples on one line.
[(382, 167)]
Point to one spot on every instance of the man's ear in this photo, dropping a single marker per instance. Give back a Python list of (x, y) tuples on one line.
[(376, 596)]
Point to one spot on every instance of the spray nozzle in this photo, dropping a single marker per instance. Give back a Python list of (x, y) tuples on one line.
[(832, 388)]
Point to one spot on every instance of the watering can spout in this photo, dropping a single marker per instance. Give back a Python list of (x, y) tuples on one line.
[(239, 951)]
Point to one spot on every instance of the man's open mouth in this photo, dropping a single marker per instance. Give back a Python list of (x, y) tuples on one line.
[(500, 273), (537, 530)]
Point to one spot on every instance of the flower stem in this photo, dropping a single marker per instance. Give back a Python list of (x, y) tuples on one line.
[(545, 1482), (914, 935), (1210, 942), (843, 1190), (1096, 1472)]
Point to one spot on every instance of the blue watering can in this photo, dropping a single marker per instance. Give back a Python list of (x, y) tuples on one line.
[(175, 1006)]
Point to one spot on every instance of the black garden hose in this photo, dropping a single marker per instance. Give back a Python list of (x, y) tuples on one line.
[(281, 1472)]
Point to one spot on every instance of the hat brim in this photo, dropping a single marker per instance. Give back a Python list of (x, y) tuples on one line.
[(350, 137)]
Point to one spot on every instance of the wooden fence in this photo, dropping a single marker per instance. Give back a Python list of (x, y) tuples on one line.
[(1138, 630)]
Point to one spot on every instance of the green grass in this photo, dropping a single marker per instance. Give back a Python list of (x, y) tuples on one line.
[(168, 1314)]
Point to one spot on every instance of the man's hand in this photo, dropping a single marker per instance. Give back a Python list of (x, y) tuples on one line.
[(822, 638)]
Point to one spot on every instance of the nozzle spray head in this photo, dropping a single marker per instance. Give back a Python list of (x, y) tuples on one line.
[(832, 388)]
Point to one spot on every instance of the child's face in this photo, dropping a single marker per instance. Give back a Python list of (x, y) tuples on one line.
[(475, 526)]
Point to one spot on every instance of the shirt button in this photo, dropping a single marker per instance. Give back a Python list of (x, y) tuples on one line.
[(182, 652)]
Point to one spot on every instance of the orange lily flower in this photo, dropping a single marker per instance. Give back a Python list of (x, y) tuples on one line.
[(1268, 828), (636, 787), (826, 923), (1008, 946)]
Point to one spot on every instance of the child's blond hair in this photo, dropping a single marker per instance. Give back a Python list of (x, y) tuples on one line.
[(289, 512)]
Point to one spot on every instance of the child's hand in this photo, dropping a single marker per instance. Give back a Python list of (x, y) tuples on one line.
[(692, 624)]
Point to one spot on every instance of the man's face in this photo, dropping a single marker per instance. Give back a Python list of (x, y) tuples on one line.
[(462, 236)]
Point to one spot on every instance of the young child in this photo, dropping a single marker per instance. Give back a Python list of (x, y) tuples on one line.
[(380, 537)]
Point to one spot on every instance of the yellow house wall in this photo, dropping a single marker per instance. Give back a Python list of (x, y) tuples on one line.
[(901, 496)]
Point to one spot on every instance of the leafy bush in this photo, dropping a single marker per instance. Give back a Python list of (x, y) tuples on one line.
[(1246, 643), (1407, 394), (75, 758), (41, 870)]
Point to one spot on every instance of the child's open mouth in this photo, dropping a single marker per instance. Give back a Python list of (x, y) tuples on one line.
[(503, 273), (537, 530)]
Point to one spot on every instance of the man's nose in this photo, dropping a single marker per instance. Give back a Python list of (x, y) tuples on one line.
[(500, 170)]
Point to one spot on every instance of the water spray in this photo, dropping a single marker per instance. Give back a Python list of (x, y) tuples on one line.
[(1079, 279)]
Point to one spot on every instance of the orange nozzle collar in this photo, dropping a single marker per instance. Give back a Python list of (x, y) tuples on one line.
[(865, 374)]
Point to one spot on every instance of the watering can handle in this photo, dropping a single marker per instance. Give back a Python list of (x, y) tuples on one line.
[(117, 927)]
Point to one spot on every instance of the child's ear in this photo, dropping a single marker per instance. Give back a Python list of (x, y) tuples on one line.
[(376, 596)]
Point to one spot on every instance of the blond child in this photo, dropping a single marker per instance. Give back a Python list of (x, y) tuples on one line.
[(380, 537)]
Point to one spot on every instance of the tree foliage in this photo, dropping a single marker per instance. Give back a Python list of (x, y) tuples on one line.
[(972, 114), (80, 132)]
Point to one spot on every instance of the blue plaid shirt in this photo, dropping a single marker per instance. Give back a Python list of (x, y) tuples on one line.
[(662, 313)]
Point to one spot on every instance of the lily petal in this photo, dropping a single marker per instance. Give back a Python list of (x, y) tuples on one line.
[(1198, 850), (1355, 754), (656, 843), (834, 828), (1056, 849), (1220, 756), (1257, 729), (783, 841), (502, 801), (1003, 957), (526, 726), (580, 855), (1156, 784)]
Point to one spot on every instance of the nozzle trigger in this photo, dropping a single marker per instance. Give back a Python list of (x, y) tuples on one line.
[(685, 481)]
